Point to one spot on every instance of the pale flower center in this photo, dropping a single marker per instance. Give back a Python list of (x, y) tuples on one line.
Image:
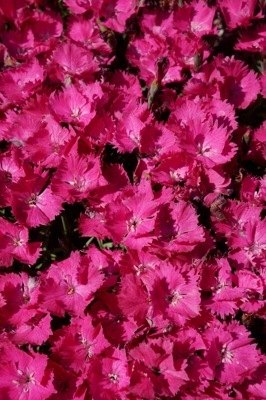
[(174, 297), (76, 113), (71, 290), (201, 148), (18, 242), (174, 175), (79, 183), (113, 378), (140, 269), (32, 201), (226, 355), (133, 223), (88, 346), (25, 379), (255, 248)]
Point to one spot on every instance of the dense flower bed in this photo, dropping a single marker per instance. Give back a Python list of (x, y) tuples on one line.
[(132, 199)]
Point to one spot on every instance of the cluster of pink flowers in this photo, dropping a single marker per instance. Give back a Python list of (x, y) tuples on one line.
[(132, 199)]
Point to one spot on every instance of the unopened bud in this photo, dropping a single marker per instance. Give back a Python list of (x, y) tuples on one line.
[(154, 89)]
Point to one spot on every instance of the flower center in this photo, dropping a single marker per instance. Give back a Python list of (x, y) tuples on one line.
[(133, 223), (25, 379), (76, 113), (32, 200), (79, 183), (113, 377), (71, 290), (227, 355), (174, 297), (18, 242)]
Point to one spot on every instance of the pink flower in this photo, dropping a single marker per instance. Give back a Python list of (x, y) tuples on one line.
[(12, 297), (69, 286), (188, 345), (201, 136), (204, 83), (65, 383), (138, 262), (249, 245), (252, 39), (195, 17), (263, 85), (74, 60), (79, 344), (99, 131), (252, 288), (76, 177), (251, 190), (71, 106), (86, 32), (117, 179), (130, 218), (240, 85), (218, 279), (30, 326), (108, 260), (20, 82), (234, 216), (222, 112), (25, 123), (174, 294), (115, 220), (50, 144), (130, 123), (24, 376), (208, 144), (14, 244), (230, 353), (13, 11), (257, 150), (144, 52), (176, 227), (109, 376), (212, 181), (227, 79), (3, 54), (131, 116), (32, 202), (10, 171), (257, 387), (171, 170), (23, 321), (116, 14), (37, 34), (154, 372), (19, 42), (133, 298), (238, 13), (118, 327), (156, 140), (80, 7), (142, 212), (92, 223), (18, 291)]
